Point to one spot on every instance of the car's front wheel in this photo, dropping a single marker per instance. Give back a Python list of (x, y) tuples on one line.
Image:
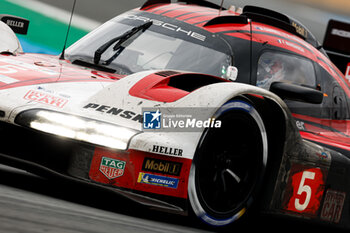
[(229, 165)]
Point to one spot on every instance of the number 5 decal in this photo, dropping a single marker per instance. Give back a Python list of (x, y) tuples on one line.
[(304, 189)]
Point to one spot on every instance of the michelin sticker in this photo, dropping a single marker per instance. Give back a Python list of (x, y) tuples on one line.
[(163, 181)]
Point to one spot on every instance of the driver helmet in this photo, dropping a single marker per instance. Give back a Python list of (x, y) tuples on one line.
[(269, 70)]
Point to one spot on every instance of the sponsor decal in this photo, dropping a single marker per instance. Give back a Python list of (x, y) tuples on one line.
[(341, 33), (168, 26), (6, 79), (163, 181), (347, 73), (162, 166), (300, 125), (304, 190), (333, 206), (115, 111), (13, 66), (152, 119), (10, 69), (167, 150), (273, 31), (45, 98), (323, 155), (192, 123), (14, 23), (40, 88), (290, 44), (300, 29), (112, 168), (18, 25), (183, 120), (168, 182)]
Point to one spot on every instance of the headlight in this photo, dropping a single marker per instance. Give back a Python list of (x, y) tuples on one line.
[(78, 128)]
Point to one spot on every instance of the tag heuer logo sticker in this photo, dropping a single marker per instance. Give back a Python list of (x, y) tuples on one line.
[(112, 168)]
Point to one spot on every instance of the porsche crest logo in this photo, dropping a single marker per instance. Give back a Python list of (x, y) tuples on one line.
[(112, 168)]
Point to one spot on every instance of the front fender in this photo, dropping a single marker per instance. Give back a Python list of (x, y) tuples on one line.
[(204, 103)]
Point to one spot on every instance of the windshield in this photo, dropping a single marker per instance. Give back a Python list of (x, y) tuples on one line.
[(150, 50)]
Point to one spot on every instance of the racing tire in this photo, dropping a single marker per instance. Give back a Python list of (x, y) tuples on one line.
[(229, 165)]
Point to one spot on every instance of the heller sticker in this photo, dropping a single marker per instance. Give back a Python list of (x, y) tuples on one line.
[(112, 168)]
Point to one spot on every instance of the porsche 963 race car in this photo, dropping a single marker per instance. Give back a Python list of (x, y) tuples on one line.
[(188, 107)]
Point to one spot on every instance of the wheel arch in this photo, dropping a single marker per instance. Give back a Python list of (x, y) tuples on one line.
[(275, 120), (278, 127)]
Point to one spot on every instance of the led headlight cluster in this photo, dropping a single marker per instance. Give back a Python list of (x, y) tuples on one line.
[(78, 128)]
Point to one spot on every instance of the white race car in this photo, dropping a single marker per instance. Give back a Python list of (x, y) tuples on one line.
[(161, 105)]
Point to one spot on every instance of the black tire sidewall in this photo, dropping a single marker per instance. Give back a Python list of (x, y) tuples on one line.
[(199, 207)]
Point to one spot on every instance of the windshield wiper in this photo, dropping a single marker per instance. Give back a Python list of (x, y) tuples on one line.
[(93, 66), (122, 38)]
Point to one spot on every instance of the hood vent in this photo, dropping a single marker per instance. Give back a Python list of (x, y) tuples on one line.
[(167, 73)]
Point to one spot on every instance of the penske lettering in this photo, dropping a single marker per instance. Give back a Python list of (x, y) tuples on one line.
[(162, 166), (115, 111)]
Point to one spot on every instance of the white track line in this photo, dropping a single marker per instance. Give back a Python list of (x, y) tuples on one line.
[(58, 14)]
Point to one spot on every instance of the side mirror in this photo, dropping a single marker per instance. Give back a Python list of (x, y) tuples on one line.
[(231, 73), (296, 92), (17, 24)]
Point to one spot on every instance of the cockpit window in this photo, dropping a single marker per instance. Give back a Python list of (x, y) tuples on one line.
[(151, 50), (280, 67)]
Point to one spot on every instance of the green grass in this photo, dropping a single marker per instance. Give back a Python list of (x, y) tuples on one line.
[(43, 30)]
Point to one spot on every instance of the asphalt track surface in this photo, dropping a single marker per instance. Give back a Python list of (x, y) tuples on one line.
[(29, 203), (32, 204)]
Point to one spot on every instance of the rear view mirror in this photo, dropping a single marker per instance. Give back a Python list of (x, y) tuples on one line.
[(296, 92), (231, 73)]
